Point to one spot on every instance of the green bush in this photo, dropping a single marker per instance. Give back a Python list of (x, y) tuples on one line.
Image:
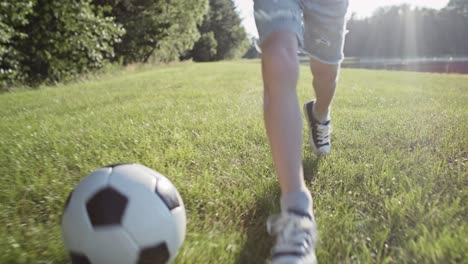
[(160, 30), (12, 15), (53, 40), (67, 38)]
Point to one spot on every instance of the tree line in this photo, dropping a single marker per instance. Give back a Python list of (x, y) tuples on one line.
[(402, 32), (52, 41)]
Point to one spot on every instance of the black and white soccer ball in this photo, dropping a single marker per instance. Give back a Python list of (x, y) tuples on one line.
[(126, 214)]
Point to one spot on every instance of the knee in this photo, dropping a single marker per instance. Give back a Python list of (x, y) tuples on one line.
[(322, 72), (279, 60)]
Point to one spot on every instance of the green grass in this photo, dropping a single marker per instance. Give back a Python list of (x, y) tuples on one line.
[(394, 189)]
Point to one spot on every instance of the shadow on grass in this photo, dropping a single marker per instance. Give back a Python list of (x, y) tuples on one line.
[(258, 243), (311, 164), (257, 246)]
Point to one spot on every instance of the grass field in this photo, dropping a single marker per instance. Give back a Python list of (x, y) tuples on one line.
[(394, 190)]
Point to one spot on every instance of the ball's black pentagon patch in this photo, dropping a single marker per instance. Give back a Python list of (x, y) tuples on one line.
[(67, 202), (106, 207), (79, 258), (119, 164), (168, 193), (154, 255)]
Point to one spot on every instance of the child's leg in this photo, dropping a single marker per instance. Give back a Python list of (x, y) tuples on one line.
[(283, 122), (279, 25)]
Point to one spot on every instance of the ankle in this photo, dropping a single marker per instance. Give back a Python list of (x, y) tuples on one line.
[(299, 202), (321, 114)]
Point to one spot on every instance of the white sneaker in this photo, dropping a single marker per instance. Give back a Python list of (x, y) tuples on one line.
[(295, 238), (320, 133)]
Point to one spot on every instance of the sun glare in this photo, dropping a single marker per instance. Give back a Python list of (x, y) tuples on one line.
[(362, 8), (367, 7)]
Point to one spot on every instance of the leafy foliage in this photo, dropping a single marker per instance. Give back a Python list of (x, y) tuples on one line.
[(12, 15), (162, 29), (224, 23), (53, 40), (66, 38)]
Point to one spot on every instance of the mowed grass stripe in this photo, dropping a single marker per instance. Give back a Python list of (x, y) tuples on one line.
[(393, 191)]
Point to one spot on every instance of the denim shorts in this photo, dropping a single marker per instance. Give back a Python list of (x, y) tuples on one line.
[(320, 25)]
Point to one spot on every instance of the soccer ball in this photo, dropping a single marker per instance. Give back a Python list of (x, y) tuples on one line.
[(125, 213)]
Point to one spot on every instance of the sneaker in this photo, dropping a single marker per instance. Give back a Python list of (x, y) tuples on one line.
[(296, 236), (319, 133)]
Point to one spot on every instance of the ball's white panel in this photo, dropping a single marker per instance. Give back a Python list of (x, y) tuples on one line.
[(146, 218), (111, 245), (149, 221), (91, 184), (76, 226), (181, 222), (151, 171), (134, 174)]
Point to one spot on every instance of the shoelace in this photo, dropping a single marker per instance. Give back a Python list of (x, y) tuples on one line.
[(291, 232), (323, 133)]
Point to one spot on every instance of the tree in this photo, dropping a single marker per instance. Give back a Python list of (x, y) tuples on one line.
[(455, 18), (224, 23), (401, 32), (459, 6), (162, 29), (54, 40), (12, 15), (206, 47)]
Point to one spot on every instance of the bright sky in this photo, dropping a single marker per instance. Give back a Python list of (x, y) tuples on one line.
[(361, 7)]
